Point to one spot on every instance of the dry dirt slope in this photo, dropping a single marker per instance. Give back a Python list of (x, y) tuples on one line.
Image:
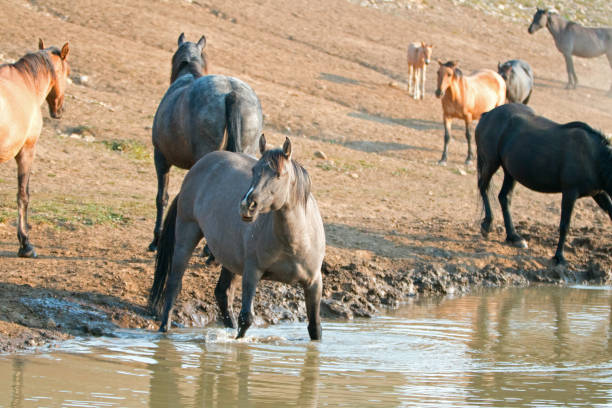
[(331, 75)]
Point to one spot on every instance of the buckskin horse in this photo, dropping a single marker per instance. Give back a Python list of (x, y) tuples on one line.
[(260, 220), (419, 56), (24, 86), (544, 156), (466, 97), (574, 39), (194, 115)]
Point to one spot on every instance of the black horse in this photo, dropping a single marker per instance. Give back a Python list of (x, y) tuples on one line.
[(572, 159)]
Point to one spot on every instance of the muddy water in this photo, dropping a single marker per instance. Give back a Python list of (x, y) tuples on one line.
[(514, 347)]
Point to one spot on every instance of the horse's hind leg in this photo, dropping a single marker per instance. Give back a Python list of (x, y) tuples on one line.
[(162, 168), (447, 131), (505, 199), (486, 170), (603, 200), (312, 294), (187, 237), (24, 164), (468, 137), (224, 293), (568, 200)]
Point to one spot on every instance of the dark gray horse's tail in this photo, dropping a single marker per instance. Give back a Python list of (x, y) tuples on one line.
[(163, 260), (233, 122)]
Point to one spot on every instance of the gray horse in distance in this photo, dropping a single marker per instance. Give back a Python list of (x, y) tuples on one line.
[(199, 114), (574, 39), (519, 80)]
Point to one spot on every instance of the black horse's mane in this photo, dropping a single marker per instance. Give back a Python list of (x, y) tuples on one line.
[(34, 63), (188, 55), (275, 158), (595, 133)]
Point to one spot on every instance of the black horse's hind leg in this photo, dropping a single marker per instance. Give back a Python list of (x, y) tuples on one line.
[(250, 278), (603, 200), (162, 168), (188, 236), (505, 199), (312, 294), (468, 137), (567, 206), (24, 164), (224, 293), (447, 132), (485, 173), (572, 79)]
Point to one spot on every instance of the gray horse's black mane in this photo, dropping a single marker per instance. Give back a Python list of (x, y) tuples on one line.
[(275, 158), (34, 63), (188, 55)]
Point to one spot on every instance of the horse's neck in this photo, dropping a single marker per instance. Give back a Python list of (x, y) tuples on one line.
[(290, 225), (40, 85), (456, 88), (556, 24)]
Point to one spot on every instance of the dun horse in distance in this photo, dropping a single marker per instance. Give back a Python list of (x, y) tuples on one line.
[(24, 86), (259, 219), (544, 156), (466, 97), (574, 39), (194, 115), (419, 56)]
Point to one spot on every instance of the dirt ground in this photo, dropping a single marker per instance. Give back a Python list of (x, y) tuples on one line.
[(332, 76)]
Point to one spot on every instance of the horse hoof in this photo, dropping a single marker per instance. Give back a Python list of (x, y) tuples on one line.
[(152, 247), (519, 243), (27, 252), (468, 163), (559, 260), (442, 163)]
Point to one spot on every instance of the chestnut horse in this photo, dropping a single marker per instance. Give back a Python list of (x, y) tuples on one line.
[(419, 55), (467, 97), (24, 86)]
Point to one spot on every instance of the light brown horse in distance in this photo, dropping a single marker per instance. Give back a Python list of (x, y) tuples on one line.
[(24, 86), (467, 97), (419, 56)]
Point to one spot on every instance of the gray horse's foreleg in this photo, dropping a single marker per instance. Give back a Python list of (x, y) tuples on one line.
[(162, 168), (24, 165), (250, 278), (505, 199), (312, 294), (224, 294), (572, 79), (568, 199), (187, 237), (447, 132)]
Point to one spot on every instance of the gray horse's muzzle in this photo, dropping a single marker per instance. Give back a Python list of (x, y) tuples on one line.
[(248, 207)]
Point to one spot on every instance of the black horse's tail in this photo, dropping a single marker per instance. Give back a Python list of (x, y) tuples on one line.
[(163, 259), (233, 122)]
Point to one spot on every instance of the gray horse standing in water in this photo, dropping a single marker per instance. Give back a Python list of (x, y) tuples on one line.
[(574, 39), (259, 219), (199, 114), (519, 80)]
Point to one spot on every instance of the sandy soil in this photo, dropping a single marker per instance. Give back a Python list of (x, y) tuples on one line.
[(331, 75)]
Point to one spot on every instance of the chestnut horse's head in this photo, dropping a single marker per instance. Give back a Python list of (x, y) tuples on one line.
[(540, 18), (61, 70), (189, 57), (447, 72)]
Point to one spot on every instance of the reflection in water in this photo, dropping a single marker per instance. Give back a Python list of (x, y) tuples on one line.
[(516, 347)]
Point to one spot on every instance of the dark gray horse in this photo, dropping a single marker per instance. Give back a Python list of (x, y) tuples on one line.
[(519, 80), (545, 156), (574, 39), (200, 114), (259, 219)]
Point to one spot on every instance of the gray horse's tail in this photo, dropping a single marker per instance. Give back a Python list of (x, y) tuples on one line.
[(233, 122), (163, 260)]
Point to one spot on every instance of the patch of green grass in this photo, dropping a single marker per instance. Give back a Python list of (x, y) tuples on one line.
[(70, 213), (131, 148), (401, 172)]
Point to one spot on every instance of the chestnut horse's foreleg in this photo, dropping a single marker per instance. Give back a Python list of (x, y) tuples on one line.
[(312, 294), (603, 200), (250, 278), (447, 131), (162, 168), (468, 137), (224, 293), (505, 199), (187, 237), (568, 199), (24, 159)]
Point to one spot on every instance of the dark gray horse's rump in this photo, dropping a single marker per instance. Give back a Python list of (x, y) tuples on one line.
[(519, 80)]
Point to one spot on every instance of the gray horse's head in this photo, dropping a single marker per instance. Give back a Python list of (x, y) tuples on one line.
[(277, 181), (540, 18), (189, 58), (504, 70)]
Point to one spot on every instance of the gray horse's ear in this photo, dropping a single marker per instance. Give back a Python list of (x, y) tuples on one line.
[(41, 44), (65, 51), (181, 39), (287, 148), (202, 42), (262, 144)]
